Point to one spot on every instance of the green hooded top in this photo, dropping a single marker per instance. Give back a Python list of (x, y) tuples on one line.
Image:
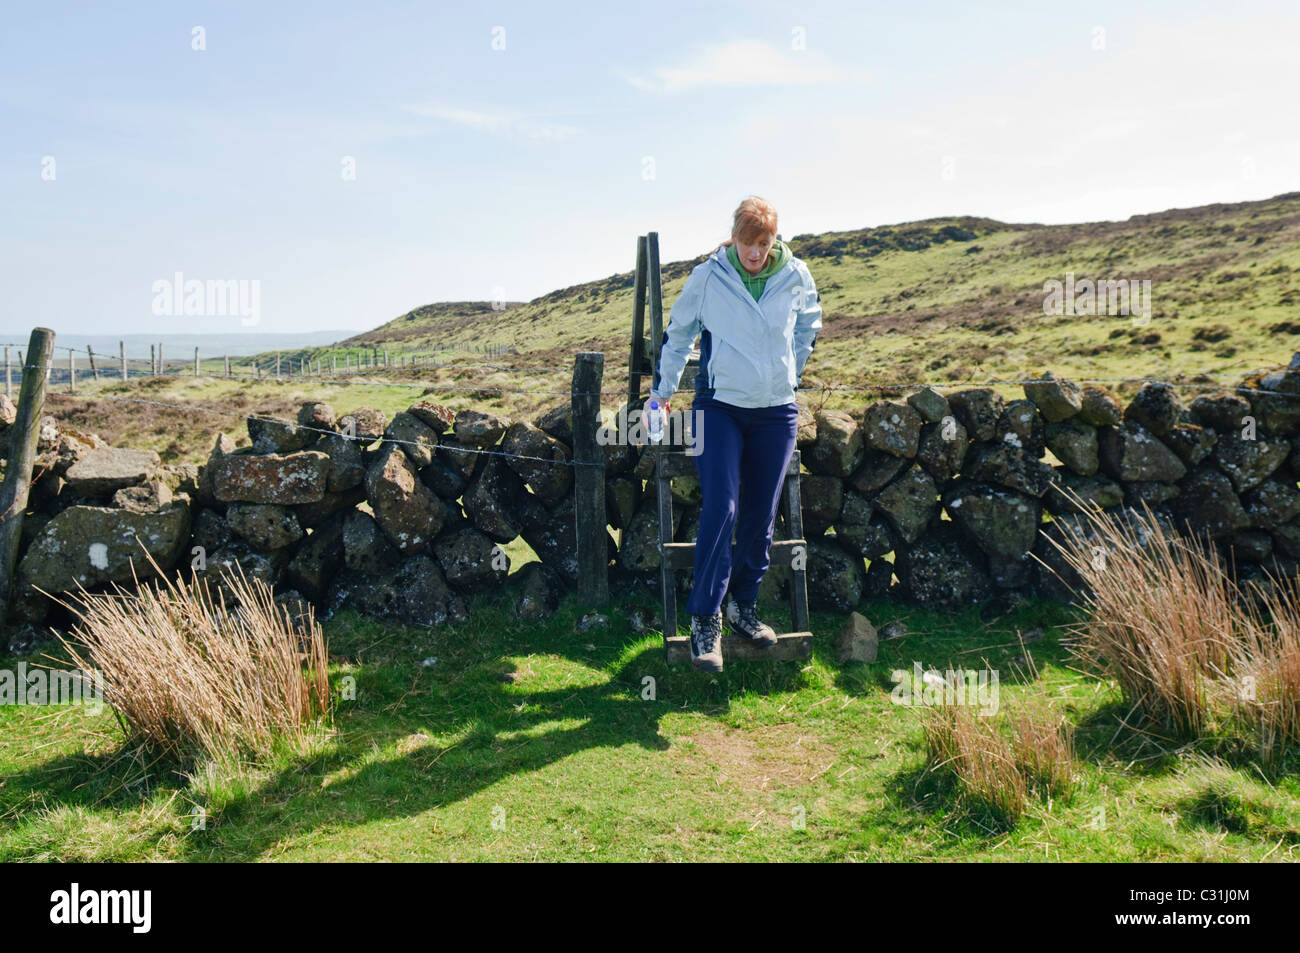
[(777, 256)]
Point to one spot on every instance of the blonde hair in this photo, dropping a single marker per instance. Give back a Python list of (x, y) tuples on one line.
[(753, 218)]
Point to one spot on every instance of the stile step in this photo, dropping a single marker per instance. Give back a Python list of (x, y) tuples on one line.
[(790, 647)]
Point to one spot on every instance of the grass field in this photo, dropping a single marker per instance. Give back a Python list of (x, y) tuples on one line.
[(523, 742)]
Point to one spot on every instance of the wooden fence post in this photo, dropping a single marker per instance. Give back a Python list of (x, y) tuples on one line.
[(23, 436), (90, 356), (589, 480), (153, 361), (638, 324), (196, 362), (227, 365), (121, 349), (160, 358), (277, 363)]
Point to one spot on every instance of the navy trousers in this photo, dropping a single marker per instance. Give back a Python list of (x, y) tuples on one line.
[(744, 453)]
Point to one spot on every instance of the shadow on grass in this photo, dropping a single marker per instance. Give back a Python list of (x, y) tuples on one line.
[(971, 638), (931, 794), (121, 779), (476, 690)]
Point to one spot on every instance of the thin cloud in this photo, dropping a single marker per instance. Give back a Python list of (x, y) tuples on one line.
[(745, 63), (500, 123)]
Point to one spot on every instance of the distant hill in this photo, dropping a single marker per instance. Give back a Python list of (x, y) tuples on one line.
[(952, 299)]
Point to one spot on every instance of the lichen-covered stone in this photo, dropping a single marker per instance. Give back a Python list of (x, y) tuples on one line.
[(1209, 504), (891, 427), (417, 439), (1223, 412), (276, 435), (248, 478), (1007, 466), (1156, 407), (930, 404), (978, 408), (1099, 409), (909, 503), (943, 569), (1056, 400), (1002, 522), (316, 562), (1131, 452), (875, 470), (479, 428), (1021, 426), (541, 461), (365, 424), (470, 561), (835, 577), (839, 447), (1074, 443), (105, 471), (437, 417), (1248, 463), (95, 545), (408, 512), (1069, 492), (860, 530), (491, 499), (1191, 443), (264, 525), (821, 498)]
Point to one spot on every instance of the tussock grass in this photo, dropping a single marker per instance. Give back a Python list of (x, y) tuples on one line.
[(1192, 651), (996, 771), (1042, 746), (1266, 661), (1162, 615), (188, 673)]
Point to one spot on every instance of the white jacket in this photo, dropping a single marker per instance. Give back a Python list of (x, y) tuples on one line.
[(752, 353)]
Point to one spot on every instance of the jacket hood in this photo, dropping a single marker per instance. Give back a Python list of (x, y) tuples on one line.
[(720, 261)]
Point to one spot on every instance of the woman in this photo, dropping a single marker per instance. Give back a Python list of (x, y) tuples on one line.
[(756, 311)]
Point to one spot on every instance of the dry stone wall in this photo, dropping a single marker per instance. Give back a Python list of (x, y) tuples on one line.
[(936, 498)]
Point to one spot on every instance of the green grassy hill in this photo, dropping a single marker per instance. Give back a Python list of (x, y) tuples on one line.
[(948, 299)]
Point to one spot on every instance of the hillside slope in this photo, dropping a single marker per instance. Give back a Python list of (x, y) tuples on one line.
[(962, 298)]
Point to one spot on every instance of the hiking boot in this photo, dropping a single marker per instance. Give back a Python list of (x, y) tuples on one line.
[(706, 642), (742, 619)]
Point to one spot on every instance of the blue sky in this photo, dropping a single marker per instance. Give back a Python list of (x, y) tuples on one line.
[(506, 150)]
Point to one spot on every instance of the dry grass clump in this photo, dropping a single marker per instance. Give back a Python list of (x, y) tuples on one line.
[(1162, 615), (1265, 690), (992, 771), (1191, 650), (188, 672)]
